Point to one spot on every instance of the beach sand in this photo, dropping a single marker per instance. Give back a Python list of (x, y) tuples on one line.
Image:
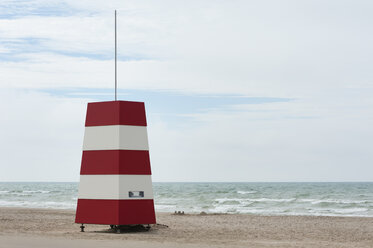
[(20, 227)]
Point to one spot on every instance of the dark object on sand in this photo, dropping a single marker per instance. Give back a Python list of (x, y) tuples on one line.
[(179, 213)]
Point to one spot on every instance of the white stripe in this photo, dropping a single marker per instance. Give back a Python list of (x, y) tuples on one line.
[(115, 187), (116, 137)]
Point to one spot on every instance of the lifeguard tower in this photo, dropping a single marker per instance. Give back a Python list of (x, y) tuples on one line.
[(115, 178)]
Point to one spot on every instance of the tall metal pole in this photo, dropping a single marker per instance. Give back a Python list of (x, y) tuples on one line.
[(115, 54)]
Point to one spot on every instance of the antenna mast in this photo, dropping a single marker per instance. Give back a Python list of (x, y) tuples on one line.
[(115, 15)]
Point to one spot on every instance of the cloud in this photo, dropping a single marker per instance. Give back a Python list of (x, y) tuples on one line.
[(12, 9), (318, 54), (41, 136), (269, 142), (261, 49)]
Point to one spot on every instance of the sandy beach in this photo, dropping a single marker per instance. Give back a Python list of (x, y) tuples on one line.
[(21, 227)]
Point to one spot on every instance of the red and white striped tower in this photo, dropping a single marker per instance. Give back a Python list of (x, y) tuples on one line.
[(115, 178)]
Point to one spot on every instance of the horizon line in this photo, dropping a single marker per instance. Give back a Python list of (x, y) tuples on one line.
[(204, 181)]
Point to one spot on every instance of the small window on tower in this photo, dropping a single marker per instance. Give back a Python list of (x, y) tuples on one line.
[(136, 194)]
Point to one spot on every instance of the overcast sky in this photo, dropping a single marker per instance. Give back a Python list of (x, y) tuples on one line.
[(234, 90)]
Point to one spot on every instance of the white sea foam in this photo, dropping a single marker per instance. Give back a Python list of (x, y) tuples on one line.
[(262, 211), (37, 191), (307, 200), (246, 192), (223, 209), (48, 204), (339, 211), (250, 200), (20, 194), (273, 200), (337, 201), (350, 210), (225, 200), (165, 208)]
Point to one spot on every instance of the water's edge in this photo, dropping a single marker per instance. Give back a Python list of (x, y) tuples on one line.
[(310, 199)]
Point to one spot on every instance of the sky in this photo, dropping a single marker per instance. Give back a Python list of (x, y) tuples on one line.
[(235, 91)]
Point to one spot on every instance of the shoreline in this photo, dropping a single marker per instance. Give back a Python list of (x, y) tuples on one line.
[(264, 199), (206, 213), (29, 227)]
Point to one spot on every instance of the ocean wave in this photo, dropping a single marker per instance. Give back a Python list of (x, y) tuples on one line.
[(273, 200), (338, 211), (164, 207), (263, 211), (37, 191), (246, 192), (19, 194), (359, 212), (350, 210), (223, 209), (251, 200), (23, 192), (48, 204), (336, 201)]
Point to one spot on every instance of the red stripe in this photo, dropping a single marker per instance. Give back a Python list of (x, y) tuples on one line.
[(115, 162), (115, 212), (115, 113)]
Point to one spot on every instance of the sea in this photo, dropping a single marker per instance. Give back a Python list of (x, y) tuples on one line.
[(314, 199)]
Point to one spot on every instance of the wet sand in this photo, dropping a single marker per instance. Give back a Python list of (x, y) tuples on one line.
[(21, 227)]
